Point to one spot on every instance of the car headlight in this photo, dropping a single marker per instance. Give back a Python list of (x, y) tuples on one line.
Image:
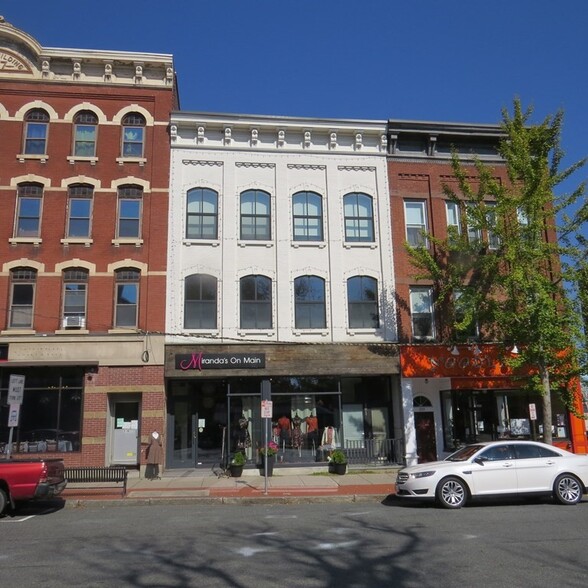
[(423, 474)]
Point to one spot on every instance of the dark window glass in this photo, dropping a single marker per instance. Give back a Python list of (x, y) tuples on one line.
[(23, 281), (127, 298), (79, 210), (28, 220), (130, 201), (309, 300), (256, 302), (200, 302), (362, 298)]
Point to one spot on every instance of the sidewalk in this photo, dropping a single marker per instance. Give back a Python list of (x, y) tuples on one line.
[(287, 485)]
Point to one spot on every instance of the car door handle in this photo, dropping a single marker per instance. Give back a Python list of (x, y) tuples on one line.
[(507, 465)]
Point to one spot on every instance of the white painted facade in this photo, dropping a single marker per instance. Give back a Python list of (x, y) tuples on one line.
[(281, 156)]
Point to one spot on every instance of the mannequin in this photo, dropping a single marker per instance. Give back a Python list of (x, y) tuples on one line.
[(154, 455)]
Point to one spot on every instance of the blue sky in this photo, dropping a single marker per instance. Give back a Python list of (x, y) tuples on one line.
[(442, 60)]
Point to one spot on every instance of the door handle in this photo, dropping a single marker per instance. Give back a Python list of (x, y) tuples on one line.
[(507, 465)]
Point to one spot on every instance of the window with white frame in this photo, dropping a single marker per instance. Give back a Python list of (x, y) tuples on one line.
[(75, 286), (200, 302), (416, 222), (255, 215), (133, 135), (23, 281), (130, 204), (491, 219), (307, 212), (453, 218), (421, 313), (80, 201), (126, 298), (309, 303), (256, 302), (474, 232), (359, 217), (36, 132), (85, 132), (28, 213), (362, 300), (202, 214)]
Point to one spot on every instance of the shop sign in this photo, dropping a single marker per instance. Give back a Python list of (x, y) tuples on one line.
[(220, 361)]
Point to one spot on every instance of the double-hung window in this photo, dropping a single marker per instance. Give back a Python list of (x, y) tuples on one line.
[(130, 204), (309, 302), (22, 297), (133, 135), (362, 300), (359, 217), (453, 219), (255, 215), (75, 284), (36, 131), (421, 312), (85, 131), (28, 214), (256, 302), (200, 302), (307, 212), (416, 222), (202, 214), (80, 199), (491, 220), (126, 298)]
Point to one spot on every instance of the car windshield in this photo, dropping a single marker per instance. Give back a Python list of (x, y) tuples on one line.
[(464, 453)]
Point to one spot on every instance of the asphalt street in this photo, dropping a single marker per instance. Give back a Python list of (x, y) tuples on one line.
[(307, 545)]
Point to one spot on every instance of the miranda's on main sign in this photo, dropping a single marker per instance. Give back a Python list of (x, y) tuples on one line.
[(219, 361)]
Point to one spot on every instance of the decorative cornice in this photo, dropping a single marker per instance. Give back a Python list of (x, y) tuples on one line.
[(369, 168), (251, 164), (202, 162), (305, 166)]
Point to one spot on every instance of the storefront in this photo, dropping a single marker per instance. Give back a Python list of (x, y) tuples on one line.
[(323, 396), (464, 394)]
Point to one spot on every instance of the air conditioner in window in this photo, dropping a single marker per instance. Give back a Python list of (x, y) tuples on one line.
[(74, 322)]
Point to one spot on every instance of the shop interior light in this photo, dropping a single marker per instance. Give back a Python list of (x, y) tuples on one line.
[(454, 350), (514, 350)]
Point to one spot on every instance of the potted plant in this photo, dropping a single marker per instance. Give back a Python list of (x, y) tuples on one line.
[(338, 462), (236, 465), (268, 454)]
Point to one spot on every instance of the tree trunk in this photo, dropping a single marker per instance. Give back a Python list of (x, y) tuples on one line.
[(547, 416)]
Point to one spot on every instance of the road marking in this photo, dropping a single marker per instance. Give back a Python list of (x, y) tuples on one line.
[(331, 546), (18, 520)]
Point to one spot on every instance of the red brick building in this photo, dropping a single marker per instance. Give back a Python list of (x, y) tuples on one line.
[(458, 393), (84, 175)]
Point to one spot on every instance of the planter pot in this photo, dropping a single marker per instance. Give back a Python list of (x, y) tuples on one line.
[(236, 470), (270, 465), (338, 468)]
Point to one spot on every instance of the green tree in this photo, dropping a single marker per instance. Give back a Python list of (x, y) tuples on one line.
[(502, 269)]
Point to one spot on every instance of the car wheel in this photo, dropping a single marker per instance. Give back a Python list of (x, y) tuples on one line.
[(452, 493), (568, 489), (3, 500)]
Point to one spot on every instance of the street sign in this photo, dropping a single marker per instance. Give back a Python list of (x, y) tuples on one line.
[(13, 414), (533, 412), (267, 409), (16, 389)]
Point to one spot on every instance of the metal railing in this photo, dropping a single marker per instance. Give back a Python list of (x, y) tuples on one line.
[(374, 451)]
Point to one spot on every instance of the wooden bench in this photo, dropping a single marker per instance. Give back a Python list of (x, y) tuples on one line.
[(98, 475)]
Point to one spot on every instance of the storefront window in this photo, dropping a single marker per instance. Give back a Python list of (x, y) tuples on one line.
[(485, 415), (51, 413)]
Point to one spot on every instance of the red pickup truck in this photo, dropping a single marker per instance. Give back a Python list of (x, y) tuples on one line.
[(28, 479)]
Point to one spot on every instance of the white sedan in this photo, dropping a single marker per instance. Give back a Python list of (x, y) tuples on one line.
[(497, 468)]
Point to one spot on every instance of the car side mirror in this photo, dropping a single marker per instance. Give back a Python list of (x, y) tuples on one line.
[(479, 461)]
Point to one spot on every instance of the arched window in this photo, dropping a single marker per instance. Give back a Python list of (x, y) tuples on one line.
[(23, 281), (130, 205), (256, 302), (127, 298), (133, 135), (85, 129), (359, 217), (421, 402), (80, 200), (309, 302), (255, 215), (362, 298), (75, 289), (36, 131), (28, 213), (200, 300), (307, 212), (202, 214)]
